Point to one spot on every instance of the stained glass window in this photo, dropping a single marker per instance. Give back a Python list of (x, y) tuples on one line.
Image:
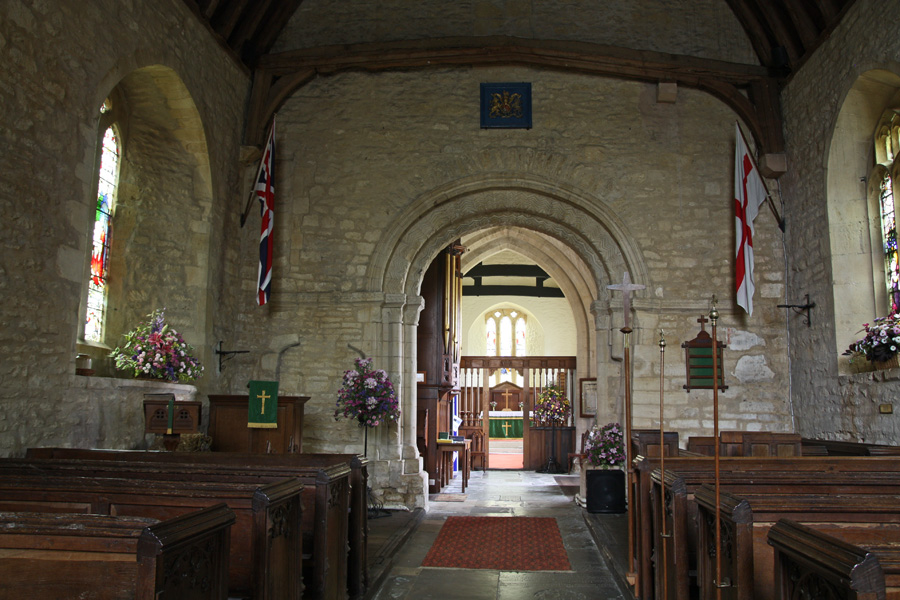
[(106, 191), (889, 236)]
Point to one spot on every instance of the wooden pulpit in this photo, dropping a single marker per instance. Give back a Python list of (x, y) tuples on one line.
[(229, 432)]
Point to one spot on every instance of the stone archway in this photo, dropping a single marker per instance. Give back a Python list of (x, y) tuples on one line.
[(584, 229)]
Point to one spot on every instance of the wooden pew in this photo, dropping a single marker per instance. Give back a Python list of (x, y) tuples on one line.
[(328, 562), (266, 540), (748, 443), (699, 470), (645, 442), (811, 561), (747, 559), (52, 555), (842, 448)]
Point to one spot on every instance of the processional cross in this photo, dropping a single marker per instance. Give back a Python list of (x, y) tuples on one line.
[(626, 287), (262, 396)]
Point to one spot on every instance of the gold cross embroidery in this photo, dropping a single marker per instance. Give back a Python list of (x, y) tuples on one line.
[(263, 397), (506, 427)]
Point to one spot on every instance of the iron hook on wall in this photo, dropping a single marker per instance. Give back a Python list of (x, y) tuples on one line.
[(802, 309), (228, 354)]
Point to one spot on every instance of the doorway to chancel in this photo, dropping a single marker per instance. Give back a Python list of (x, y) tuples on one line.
[(506, 427)]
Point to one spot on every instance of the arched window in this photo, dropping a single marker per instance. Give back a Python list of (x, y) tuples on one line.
[(107, 185), (883, 176), (506, 334)]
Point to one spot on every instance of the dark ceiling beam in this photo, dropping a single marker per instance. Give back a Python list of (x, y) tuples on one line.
[(804, 22), (227, 19), (512, 290), (775, 20), (271, 29), (730, 82), (753, 27), (247, 27), (208, 8), (508, 270)]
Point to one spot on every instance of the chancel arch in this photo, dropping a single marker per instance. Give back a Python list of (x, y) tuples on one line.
[(591, 242)]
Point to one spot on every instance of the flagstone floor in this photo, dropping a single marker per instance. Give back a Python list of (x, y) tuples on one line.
[(509, 493)]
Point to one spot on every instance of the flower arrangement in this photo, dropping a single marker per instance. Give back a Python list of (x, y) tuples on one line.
[(552, 406), (881, 342), (367, 395), (153, 349), (605, 447)]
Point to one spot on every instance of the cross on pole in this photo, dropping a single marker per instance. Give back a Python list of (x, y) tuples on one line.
[(626, 287), (262, 396)]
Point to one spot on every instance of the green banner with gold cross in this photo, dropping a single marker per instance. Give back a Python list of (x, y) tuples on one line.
[(263, 404), (506, 428)]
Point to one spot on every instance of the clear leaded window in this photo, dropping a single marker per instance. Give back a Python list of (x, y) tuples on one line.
[(506, 334), (106, 193)]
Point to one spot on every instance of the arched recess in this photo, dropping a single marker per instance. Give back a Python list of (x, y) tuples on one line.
[(853, 210), (161, 241), (585, 231), (565, 267)]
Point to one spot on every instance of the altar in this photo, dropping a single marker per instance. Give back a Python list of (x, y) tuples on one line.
[(505, 424)]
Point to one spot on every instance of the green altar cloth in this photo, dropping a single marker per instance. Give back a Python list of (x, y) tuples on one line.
[(506, 428)]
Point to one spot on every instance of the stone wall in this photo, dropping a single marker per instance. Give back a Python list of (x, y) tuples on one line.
[(395, 164), (375, 172), (827, 402), (60, 61)]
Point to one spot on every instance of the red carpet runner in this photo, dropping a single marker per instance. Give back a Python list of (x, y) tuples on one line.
[(506, 461), (499, 543)]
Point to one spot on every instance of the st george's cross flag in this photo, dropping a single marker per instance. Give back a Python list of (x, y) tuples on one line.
[(749, 194), (265, 191)]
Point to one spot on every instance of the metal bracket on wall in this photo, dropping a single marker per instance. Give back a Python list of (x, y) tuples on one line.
[(227, 354), (802, 309)]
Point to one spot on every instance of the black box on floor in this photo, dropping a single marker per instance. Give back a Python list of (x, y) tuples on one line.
[(605, 491)]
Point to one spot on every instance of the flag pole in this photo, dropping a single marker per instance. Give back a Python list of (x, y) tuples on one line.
[(769, 199), (713, 318), (662, 463), (246, 212), (631, 575)]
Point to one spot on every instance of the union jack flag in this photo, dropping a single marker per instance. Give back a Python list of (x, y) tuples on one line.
[(265, 191)]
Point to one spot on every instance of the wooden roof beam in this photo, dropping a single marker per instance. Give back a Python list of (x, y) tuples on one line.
[(278, 76)]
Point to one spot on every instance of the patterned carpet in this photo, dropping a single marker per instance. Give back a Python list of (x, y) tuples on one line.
[(499, 543)]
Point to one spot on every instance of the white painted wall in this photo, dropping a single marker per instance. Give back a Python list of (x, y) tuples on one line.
[(551, 328)]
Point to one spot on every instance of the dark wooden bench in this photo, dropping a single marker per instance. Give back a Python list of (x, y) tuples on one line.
[(320, 473), (854, 562), (748, 443), (699, 470), (746, 557), (842, 448), (53, 555), (266, 540)]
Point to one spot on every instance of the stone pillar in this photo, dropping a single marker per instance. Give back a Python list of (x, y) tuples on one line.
[(602, 324)]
